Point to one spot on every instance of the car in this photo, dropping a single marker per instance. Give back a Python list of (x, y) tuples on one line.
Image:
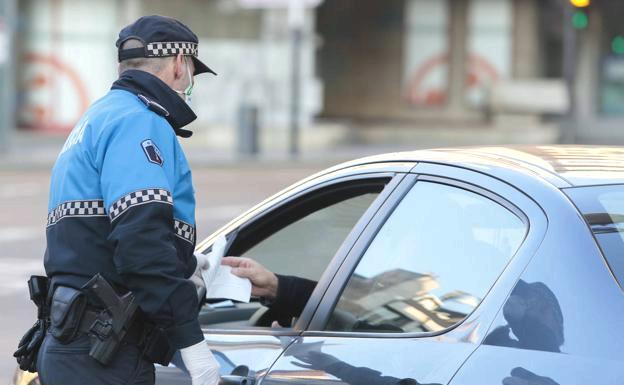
[(483, 265)]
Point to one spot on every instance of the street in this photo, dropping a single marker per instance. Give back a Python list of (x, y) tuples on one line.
[(222, 193)]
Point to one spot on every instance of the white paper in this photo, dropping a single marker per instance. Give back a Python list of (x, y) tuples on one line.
[(227, 285), (220, 282)]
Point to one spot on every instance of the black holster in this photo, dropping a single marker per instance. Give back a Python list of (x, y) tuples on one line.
[(30, 343), (109, 319), (97, 310)]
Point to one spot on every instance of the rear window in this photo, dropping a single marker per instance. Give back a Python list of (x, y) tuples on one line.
[(603, 209)]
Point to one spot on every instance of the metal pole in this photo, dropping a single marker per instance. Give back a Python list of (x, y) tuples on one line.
[(569, 73), (296, 18), (458, 55), (295, 92), (8, 17)]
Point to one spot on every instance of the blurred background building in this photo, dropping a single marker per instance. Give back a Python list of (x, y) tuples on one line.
[(394, 72)]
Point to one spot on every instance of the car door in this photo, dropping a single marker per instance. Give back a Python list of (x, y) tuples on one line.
[(415, 294), (306, 229)]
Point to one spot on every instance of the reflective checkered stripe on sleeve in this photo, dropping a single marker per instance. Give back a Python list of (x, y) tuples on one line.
[(89, 208), (137, 198), (160, 49), (185, 231)]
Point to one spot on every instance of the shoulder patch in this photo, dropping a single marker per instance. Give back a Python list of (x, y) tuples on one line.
[(152, 152)]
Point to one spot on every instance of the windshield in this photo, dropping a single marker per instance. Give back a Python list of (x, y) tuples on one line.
[(603, 209)]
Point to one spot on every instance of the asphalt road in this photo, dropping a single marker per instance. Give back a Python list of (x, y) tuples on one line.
[(222, 194)]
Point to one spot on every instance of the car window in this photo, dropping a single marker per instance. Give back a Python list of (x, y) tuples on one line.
[(603, 209), (430, 264), (305, 247), (299, 239)]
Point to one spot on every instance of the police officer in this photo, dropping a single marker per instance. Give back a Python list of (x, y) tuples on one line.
[(122, 205)]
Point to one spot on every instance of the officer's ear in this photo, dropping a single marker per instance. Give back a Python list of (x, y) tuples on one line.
[(178, 67)]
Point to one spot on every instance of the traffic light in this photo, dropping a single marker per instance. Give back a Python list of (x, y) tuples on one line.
[(580, 19), (617, 45)]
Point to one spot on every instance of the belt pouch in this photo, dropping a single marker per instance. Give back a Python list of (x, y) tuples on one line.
[(156, 346), (68, 307)]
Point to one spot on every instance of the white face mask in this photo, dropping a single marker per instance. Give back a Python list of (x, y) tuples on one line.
[(188, 90)]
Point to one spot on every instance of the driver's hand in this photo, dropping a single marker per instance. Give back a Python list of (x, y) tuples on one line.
[(263, 282), (276, 325)]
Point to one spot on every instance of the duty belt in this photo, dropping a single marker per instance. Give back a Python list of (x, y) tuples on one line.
[(112, 320)]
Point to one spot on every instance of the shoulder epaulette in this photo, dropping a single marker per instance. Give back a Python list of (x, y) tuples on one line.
[(153, 106)]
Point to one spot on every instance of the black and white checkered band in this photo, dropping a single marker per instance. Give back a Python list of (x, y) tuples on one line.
[(91, 208), (140, 197), (159, 49), (184, 231)]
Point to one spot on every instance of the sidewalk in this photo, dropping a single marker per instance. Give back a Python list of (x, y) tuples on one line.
[(32, 150)]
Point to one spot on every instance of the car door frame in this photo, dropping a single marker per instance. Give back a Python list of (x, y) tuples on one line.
[(475, 326), (395, 171)]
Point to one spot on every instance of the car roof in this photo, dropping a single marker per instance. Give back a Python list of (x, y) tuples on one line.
[(561, 165)]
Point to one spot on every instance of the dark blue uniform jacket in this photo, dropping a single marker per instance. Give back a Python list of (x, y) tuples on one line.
[(122, 204)]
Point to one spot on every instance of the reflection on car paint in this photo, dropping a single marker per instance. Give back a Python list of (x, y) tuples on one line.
[(360, 361), (314, 359), (521, 376), (534, 320)]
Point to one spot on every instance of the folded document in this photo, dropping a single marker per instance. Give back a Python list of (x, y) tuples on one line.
[(220, 282)]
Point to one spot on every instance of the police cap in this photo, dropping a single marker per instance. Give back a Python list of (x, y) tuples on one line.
[(161, 36)]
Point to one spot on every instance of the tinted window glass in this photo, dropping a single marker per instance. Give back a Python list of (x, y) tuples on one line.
[(305, 247), (603, 208), (298, 239), (431, 263)]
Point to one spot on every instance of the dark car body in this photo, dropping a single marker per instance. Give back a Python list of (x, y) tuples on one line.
[(549, 312)]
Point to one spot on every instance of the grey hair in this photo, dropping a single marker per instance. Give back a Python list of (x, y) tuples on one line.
[(152, 65)]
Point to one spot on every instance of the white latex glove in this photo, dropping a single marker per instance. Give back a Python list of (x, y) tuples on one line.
[(196, 278), (201, 364)]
